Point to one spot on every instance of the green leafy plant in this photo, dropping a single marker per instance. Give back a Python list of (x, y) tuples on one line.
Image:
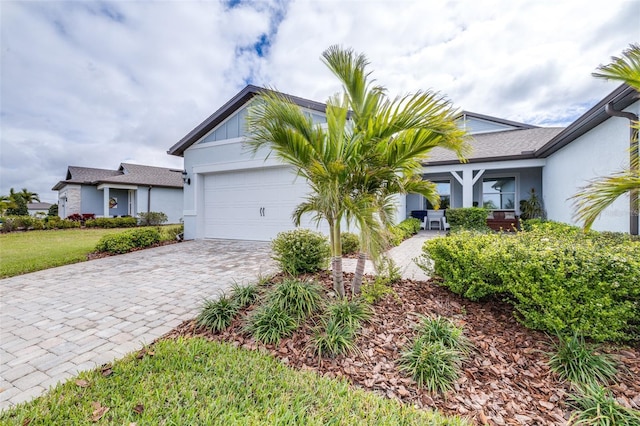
[(300, 251), (431, 364), (375, 290), (128, 240), (467, 218), (443, 330), (595, 406), (350, 243), (576, 361), (532, 208), (216, 315), (112, 222), (298, 298), (333, 338), (152, 218), (244, 295), (387, 270), (269, 323), (349, 313)]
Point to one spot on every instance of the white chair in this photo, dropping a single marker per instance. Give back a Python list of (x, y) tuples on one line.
[(434, 219), (445, 224)]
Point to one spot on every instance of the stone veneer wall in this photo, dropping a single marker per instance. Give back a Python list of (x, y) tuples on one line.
[(72, 205)]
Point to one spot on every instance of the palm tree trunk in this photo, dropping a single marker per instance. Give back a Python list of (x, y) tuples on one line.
[(336, 261), (357, 278)]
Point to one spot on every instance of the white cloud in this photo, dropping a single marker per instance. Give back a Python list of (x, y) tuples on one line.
[(96, 83)]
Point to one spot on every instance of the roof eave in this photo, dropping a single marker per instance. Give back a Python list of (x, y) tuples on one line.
[(622, 97), (227, 109), (527, 156)]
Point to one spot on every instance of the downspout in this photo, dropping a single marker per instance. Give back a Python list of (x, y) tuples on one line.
[(149, 199), (633, 162)]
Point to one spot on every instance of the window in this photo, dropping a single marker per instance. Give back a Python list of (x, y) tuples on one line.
[(444, 189), (499, 193)]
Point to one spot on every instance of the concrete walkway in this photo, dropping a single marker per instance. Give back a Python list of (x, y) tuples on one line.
[(58, 322)]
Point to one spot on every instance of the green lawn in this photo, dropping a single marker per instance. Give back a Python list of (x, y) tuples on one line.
[(22, 252), (196, 382)]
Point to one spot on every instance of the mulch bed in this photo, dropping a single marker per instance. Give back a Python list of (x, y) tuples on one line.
[(505, 381)]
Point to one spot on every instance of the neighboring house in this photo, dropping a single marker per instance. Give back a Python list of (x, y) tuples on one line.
[(38, 209), (127, 191), (233, 194)]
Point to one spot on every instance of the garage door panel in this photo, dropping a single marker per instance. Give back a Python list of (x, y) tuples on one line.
[(252, 204)]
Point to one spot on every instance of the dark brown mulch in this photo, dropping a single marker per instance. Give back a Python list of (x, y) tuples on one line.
[(101, 254), (505, 381)]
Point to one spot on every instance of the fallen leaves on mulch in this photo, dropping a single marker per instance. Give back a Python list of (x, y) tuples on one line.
[(505, 381)]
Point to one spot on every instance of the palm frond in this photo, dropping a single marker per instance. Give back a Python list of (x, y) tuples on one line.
[(625, 68)]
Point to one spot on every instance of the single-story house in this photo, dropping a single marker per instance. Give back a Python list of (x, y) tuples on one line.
[(127, 191), (233, 194), (38, 209)]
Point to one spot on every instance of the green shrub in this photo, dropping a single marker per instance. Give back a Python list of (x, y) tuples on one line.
[(298, 298), (152, 218), (410, 226), (469, 218), (440, 329), (349, 313), (395, 236), (300, 251), (126, 241), (371, 292), (597, 407), (431, 364), (244, 295), (557, 277), (171, 232), (350, 243), (111, 222), (332, 338), (269, 323), (216, 315), (576, 361)]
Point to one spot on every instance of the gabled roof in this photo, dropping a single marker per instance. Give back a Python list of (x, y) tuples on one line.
[(126, 174), (468, 114), (229, 108), (499, 146), (621, 97)]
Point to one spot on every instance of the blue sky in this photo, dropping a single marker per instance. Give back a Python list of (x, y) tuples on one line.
[(99, 83)]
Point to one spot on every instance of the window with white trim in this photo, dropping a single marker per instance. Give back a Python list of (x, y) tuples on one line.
[(499, 193)]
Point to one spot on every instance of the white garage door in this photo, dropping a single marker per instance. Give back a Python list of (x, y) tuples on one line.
[(253, 204)]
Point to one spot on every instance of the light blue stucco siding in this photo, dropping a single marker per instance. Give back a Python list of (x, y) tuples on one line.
[(122, 198), (92, 200), (165, 200)]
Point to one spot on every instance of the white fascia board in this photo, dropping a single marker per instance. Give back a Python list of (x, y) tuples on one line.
[(238, 165), (490, 165), (115, 186)]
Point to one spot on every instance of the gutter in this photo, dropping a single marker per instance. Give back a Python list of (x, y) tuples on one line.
[(634, 162)]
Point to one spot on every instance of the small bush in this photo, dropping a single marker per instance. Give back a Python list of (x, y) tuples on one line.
[(216, 315), (298, 298), (410, 226), (350, 243), (469, 218), (112, 222), (431, 364), (269, 323), (597, 407), (244, 295), (152, 218), (349, 313), (128, 240), (372, 292), (579, 363), (300, 251), (443, 330), (332, 338), (171, 232), (76, 217)]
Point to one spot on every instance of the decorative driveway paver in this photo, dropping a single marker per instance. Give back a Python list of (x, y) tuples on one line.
[(60, 321)]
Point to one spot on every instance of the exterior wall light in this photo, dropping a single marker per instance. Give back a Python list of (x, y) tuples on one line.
[(186, 179)]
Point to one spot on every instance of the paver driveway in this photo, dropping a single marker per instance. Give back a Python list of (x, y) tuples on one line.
[(57, 322)]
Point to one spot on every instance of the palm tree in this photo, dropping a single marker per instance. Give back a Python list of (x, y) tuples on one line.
[(600, 193), (394, 137), (28, 196)]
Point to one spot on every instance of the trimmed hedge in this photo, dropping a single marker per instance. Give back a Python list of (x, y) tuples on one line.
[(470, 218), (350, 243), (126, 241), (404, 230), (558, 278), (112, 222), (27, 223)]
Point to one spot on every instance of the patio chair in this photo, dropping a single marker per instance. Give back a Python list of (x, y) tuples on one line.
[(434, 219)]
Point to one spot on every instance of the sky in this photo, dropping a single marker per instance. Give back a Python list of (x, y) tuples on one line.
[(95, 84)]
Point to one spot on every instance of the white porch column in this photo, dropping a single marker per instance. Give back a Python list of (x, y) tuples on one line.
[(105, 201), (467, 181)]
